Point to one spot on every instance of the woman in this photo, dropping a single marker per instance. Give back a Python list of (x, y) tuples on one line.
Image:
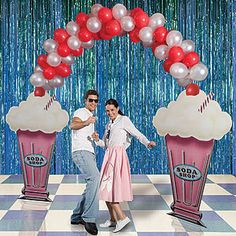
[(115, 182)]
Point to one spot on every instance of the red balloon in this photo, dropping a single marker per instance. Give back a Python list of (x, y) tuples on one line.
[(135, 10), (104, 14), (63, 70), (85, 35), (113, 27), (81, 19), (49, 73), (96, 36), (60, 35), (167, 64), (191, 59), (63, 50), (154, 45), (160, 34), (39, 92), (176, 54), (42, 61), (141, 19), (192, 90), (78, 52), (134, 35), (103, 34)]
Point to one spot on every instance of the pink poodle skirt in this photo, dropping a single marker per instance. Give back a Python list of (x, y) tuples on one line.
[(115, 181)]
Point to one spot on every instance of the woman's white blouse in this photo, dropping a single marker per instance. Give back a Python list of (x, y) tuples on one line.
[(121, 131)]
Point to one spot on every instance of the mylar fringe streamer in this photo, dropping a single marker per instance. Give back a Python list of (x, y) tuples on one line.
[(118, 69)]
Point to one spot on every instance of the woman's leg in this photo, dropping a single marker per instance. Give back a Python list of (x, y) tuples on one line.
[(119, 212), (112, 212)]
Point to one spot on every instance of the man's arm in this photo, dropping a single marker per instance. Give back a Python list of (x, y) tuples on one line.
[(77, 123)]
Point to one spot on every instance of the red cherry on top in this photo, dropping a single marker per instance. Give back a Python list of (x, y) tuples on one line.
[(192, 90), (39, 92)]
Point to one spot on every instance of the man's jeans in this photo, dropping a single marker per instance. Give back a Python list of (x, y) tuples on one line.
[(87, 208)]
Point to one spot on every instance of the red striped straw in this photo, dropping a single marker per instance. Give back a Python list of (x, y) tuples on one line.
[(50, 101), (206, 102)]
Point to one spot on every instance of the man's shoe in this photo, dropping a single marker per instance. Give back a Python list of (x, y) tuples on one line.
[(80, 221), (91, 228), (121, 224)]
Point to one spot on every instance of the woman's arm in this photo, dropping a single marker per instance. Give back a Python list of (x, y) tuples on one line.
[(131, 129), (98, 142)]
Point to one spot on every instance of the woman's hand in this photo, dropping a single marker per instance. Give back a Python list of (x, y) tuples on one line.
[(151, 144), (95, 136)]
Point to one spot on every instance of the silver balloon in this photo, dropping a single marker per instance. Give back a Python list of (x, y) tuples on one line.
[(93, 24), (72, 28), (38, 69), (53, 59), (56, 82), (69, 60), (146, 34), (127, 23), (37, 79), (148, 44), (179, 70), (88, 44), (184, 82), (156, 20), (95, 8), (198, 72), (73, 42), (161, 52), (174, 38), (119, 11), (188, 46), (50, 45), (47, 86)]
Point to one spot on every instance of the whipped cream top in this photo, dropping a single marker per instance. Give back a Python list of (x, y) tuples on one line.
[(33, 115), (183, 118)]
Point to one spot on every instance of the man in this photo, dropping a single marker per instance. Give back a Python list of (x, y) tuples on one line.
[(83, 156)]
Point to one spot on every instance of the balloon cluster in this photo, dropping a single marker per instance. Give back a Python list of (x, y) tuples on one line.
[(103, 23)]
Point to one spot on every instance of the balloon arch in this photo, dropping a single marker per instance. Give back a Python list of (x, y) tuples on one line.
[(103, 23)]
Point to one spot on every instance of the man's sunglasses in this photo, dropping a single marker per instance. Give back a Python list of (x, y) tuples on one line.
[(93, 100)]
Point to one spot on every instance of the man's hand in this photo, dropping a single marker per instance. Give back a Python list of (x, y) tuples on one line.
[(95, 136), (151, 144), (90, 120)]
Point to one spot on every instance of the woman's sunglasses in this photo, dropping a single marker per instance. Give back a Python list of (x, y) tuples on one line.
[(93, 100)]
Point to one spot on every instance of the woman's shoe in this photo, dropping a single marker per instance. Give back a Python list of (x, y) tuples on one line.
[(108, 224), (121, 224)]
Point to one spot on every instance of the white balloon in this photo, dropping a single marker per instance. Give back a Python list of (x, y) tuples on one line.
[(50, 45), (93, 24), (146, 34), (38, 69), (148, 44), (53, 59), (188, 46), (174, 38), (37, 79), (56, 82), (47, 86), (127, 23), (88, 44), (184, 82), (161, 52), (69, 60), (72, 28), (95, 8), (179, 70), (73, 42), (198, 72), (119, 11), (156, 20)]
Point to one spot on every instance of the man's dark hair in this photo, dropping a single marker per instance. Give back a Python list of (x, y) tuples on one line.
[(90, 92)]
